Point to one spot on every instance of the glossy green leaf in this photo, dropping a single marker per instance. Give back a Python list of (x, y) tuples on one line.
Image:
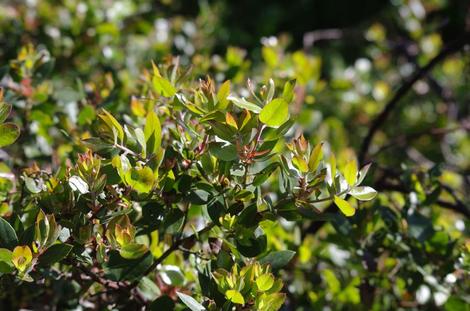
[(224, 152), (152, 133), (277, 259), (8, 238), (275, 113), (315, 157), (265, 282), (190, 302), (9, 133), (350, 172), (54, 254), (344, 206), (118, 268), (300, 164), (363, 193), (78, 184), (222, 95), (4, 111), (140, 179), (112, 124), (244, 104), (6, 264), (163, 87), (133, 251), (235, 296)]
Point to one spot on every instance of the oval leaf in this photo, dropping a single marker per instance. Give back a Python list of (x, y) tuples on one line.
[(8, 238), (275, 113), (363, 193), (9, 133), (344, 206)]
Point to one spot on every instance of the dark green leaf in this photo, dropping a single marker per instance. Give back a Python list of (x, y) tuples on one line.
[(8, 238)]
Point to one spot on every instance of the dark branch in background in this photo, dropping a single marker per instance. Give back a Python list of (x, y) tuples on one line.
[(453, 47)]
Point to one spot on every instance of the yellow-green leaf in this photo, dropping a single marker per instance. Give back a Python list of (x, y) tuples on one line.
[(133, 251), (152, 133), (244, 104), (222, 95), (300, 164), (9, 133), (140, 179), (235, 296), (332, 168), (363, 193), (265, 282), (315, 157), (163, 87), (350, 172), (112, 124), (275, 113), (344, 206), (22, 257)]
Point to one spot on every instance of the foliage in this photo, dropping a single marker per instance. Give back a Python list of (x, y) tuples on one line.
[(221, 182)]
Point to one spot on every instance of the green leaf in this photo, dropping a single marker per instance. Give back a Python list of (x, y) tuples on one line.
[(224, 152), (9, 133), (163, 86), (363, 173), (152, 133), (8, 238), (350, 172), (41, 229), (222, 95), (344, 206), (244, 104), (190, 302), (262, 176), (275, 113), (162, 303), (118, 268), (332, 168), (6, 265), (265, 282), (300, 164), (112, 124), (288, 92), (140, 179), (133, 251), (277, 259), (315, 157), (54, 254), (235, 296), (363, 193), (4, 111)]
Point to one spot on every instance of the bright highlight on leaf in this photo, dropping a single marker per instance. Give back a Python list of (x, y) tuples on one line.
[(363, 193), (350, 172), (344, 206), (275, 113), (235, 296), (315, 157), (264, 282)]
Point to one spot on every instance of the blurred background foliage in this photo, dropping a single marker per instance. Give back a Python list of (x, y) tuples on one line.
[(60, 61)]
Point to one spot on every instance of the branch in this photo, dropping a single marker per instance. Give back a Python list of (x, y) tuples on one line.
[(403, 90)]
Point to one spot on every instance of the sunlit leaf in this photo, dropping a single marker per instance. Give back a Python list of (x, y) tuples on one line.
[(344, 206), (275, 113)]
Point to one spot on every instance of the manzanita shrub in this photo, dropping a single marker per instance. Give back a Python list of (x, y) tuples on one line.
[(172, 204)]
